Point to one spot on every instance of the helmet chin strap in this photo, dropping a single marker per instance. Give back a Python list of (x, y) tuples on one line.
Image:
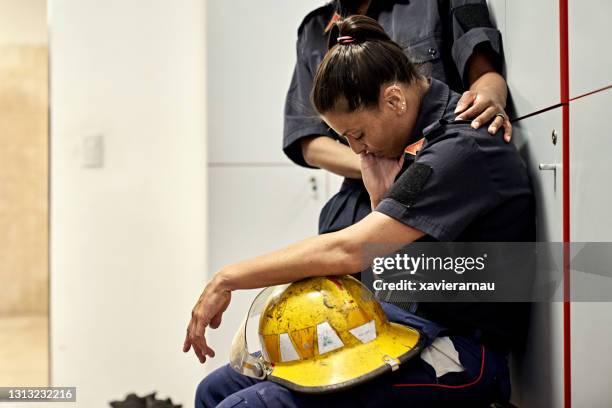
[(244, 362)]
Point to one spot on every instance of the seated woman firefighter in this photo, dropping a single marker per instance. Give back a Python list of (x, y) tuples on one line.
[(429, 178)]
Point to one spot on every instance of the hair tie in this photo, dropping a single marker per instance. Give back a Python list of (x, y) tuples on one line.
[(346, 39)]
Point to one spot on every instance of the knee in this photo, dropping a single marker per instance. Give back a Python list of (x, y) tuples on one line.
[(210, 390), (265, 394), (202, 396)]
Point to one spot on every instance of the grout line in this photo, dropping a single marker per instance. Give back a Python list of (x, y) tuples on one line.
[(536, 112), (591, 93)]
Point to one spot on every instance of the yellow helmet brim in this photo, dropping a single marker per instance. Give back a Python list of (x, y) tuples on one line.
[(348, 367)]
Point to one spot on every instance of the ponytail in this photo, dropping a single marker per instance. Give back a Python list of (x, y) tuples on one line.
[(361, 58)]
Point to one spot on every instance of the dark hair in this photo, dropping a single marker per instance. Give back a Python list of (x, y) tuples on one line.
[(356, 70)]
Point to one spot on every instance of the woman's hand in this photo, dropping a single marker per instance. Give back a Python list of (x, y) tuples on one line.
[(213, 301), (485, 102), (378, 174)]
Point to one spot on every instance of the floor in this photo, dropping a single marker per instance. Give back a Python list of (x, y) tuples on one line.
[(24, 351)]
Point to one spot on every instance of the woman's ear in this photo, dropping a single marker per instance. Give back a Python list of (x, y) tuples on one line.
[(394, 99)]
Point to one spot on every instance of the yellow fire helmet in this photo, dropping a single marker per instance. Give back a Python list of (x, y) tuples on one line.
[(322, 334)]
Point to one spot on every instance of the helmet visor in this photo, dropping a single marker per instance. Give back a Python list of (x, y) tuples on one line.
[(249, 361)]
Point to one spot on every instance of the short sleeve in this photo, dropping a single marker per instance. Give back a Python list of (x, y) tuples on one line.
[(472, 28), (300, 117), (446, 188)]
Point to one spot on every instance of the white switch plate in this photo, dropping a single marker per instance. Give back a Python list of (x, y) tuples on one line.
[(92, 150)]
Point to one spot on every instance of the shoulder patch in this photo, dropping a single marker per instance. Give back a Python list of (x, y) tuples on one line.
[(472, 16), (408, 186)]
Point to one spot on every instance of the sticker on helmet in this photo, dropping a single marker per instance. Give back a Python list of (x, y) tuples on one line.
[(287, 350), (327, 338), (366, 332)]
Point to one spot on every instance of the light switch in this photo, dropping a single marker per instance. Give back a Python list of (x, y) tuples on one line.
[(92, 150)]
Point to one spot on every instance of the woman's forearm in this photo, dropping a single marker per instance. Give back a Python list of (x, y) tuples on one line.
[(347, 251), (327, 254), (328, 154), (482, 75)]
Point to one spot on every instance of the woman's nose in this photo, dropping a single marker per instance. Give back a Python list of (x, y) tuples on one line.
[(356, 146)]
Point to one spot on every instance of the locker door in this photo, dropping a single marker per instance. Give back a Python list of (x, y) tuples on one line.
[(252, 211), (535, 139), (590, 59), (497, 12), (532, 54), (591, 221), (251, 54), (538, 372)]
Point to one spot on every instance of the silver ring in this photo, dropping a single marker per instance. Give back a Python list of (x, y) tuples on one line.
[(501, 115)]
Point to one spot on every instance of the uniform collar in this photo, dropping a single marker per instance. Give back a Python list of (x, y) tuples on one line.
[(433, 107)]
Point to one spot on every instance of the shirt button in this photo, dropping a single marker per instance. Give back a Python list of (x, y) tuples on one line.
[(432, 51)]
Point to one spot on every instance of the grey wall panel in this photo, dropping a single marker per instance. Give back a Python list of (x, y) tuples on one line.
[(590, 55), (591, 220), (253, 210), (590, 147), (532, 54), (497, 12), (251, 53)]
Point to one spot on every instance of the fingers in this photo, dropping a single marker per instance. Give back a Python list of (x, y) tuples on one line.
[(486, 116), (196, 339), (216, 321), (191, 341), (507, 130), (466, 100), (472, 112), (200, 339), (501, 122), (497, 122), (186, 343)]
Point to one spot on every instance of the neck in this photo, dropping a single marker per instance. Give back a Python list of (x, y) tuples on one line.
[(416, 91)]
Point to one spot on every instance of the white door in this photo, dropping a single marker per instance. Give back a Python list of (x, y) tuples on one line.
[(590, 56), (538, 373), (591, 221)]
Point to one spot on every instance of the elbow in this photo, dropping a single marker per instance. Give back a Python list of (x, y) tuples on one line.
[(308, 151)]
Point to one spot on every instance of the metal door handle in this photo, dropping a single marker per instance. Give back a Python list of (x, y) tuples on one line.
[(548, 166), (553, 167)]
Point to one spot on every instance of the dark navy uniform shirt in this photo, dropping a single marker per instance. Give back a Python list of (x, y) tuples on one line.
[(471, 186), (438, 35), (465, 185)]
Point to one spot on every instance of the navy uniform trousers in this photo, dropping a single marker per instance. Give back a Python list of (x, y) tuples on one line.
[(413, 384)]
